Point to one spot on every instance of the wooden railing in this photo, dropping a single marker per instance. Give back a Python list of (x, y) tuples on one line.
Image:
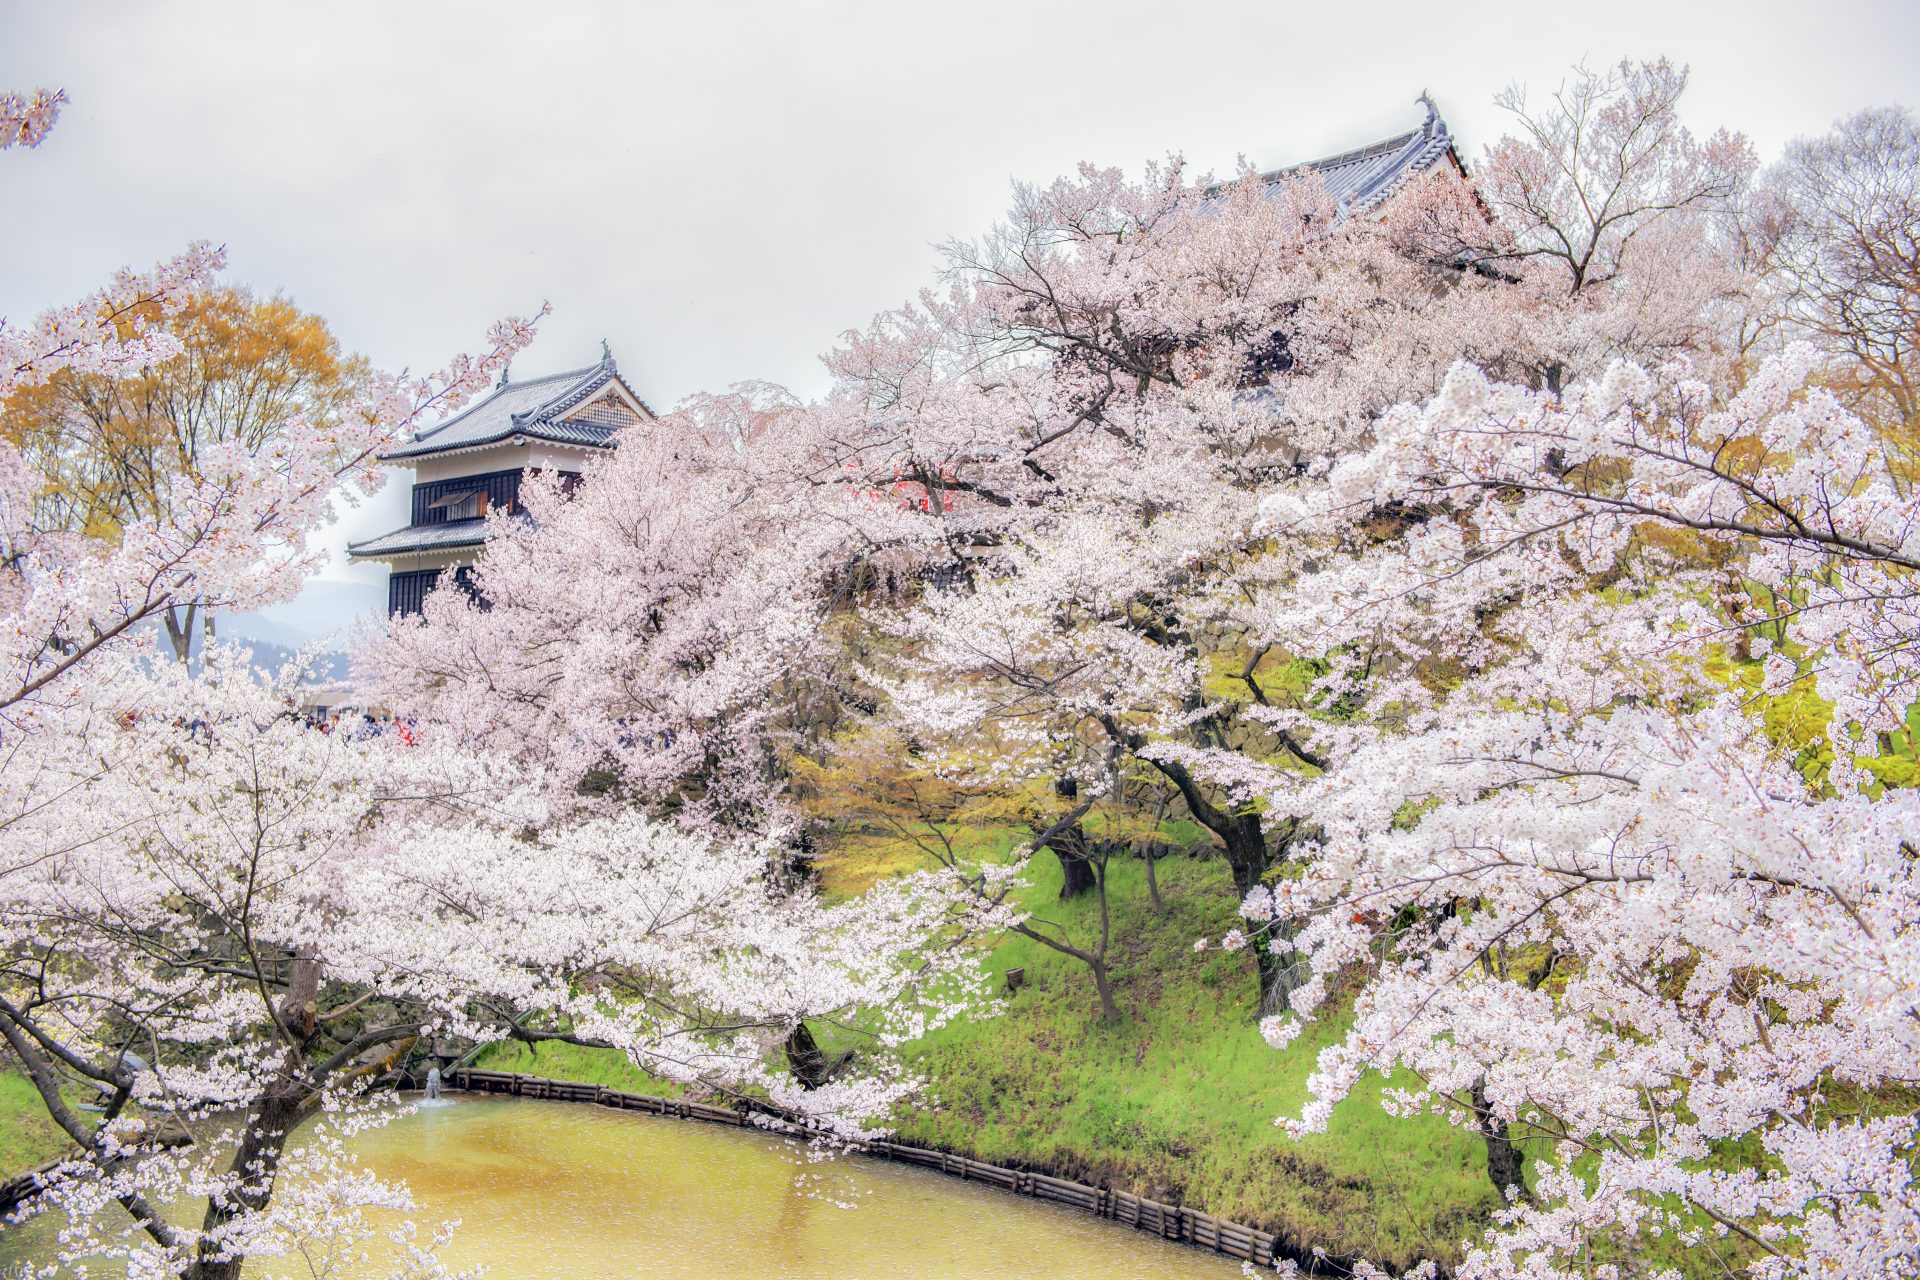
[(1169, 1222), (22, 1187), (25, 1186)]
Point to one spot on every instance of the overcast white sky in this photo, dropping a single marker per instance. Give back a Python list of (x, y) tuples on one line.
[(720, 189)]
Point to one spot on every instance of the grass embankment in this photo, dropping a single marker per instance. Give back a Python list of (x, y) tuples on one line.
[(1178, 1098), (558, 1061), (27, 1136)]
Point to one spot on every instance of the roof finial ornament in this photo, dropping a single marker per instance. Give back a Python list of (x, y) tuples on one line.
[(505, 368), (606, 353), (1433, 112)]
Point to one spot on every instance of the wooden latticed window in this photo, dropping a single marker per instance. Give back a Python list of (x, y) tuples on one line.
[(467, 498)]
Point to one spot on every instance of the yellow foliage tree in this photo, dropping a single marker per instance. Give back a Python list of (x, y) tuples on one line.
[(115, 447)]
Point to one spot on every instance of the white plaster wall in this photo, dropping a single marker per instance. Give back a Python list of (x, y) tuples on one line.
[(500, 457)]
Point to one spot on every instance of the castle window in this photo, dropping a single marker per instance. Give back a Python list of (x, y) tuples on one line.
[(466, 498)]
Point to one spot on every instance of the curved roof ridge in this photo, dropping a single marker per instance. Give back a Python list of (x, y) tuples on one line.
[(574, 394), (1417, 143), (528, 406), (1364, 176), (1389, 146), (501, 390)]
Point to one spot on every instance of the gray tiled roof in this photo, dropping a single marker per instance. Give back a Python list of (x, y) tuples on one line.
[(1359, 180), (448, 536), (530, 408)]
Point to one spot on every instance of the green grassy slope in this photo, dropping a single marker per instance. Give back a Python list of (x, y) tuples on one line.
[(1178, 1099), (27, 1137), (558, 1061)]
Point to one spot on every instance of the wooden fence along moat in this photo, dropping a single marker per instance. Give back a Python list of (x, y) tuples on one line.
[(1169, 1222)]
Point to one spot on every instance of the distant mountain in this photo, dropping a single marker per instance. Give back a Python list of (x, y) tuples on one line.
[(324, 610)]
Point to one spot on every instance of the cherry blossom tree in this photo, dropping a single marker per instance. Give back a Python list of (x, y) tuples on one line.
[(1387, 657), (213, 908), (1087, 418), (1613, 227), (184, 900), (208, 909), (117, 896), (632, 636), (1849, 207), (98, 796), (638, 645), (1090, 416), (1592, 890)]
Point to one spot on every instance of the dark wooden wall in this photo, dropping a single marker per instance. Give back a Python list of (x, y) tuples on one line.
[(406, 591)]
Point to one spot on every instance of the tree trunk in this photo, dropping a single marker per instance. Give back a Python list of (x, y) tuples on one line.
[(270, 1121), (1151, 853), (1247, 854), (1505, 1167), (1245, 842), (256, 1163), (1109, 1011), (179, 622), (1095, 861), (1076, 872), (1280, 973), (806, 1059), (1070, 846)]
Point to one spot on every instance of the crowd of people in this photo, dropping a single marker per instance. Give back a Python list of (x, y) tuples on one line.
[(360, 724)]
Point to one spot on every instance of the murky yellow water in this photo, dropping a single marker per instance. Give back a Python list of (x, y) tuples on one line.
[(555, 1190)]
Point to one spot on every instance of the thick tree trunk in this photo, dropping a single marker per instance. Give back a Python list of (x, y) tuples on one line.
[(270, 1121), (1505, 1168), (1076, 872), (1070, 846), (1245, 843), (256, 1163), (1278, 971), (1279, 977)]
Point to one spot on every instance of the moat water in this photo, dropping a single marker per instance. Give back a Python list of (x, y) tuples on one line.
[(551, 1190)]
